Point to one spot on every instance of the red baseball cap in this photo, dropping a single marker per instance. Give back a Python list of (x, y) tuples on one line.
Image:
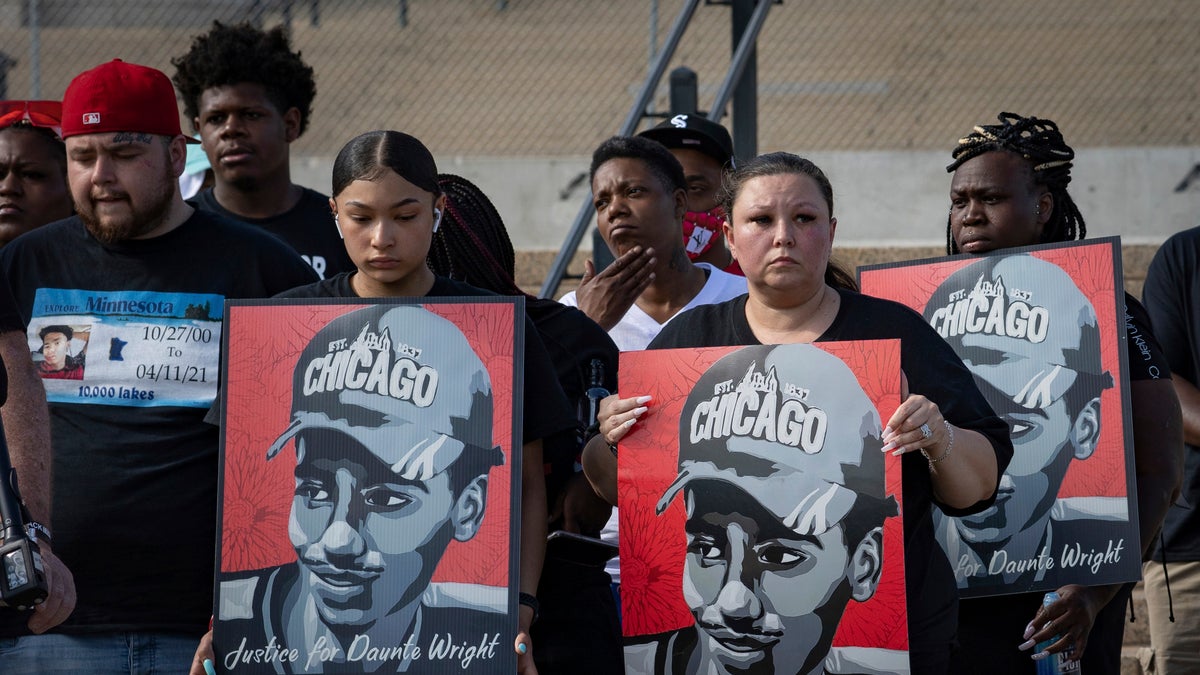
[(119, 96)]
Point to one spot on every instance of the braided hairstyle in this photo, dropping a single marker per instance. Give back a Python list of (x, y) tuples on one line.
[(229, 55), (1041, 144), (472, 244)]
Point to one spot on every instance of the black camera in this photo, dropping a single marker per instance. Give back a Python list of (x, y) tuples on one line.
[(22, 576)]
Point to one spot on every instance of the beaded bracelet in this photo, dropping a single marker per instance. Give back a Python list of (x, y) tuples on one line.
[(949, 447)]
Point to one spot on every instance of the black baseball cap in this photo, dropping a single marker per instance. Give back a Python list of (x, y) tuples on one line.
[(696, 132)]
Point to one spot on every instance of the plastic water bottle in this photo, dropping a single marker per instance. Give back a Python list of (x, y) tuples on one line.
[(1055, 664)]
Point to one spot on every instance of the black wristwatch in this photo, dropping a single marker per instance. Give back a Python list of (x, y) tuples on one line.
[(530, 601)]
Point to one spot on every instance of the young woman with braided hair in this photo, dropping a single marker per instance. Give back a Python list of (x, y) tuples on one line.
[(1010, 189), (578, 631)]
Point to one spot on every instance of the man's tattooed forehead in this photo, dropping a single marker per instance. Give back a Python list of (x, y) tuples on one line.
[(131, 137)]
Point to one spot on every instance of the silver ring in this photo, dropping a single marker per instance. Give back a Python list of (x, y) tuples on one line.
[(926, 432)]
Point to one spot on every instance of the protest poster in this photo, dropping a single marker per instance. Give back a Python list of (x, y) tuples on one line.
[(759, 518), (369, 506), (1043, 331)]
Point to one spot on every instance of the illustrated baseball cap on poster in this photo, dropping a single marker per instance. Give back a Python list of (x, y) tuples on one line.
[(1029, 310), (790, 426), (401, 381), (697, 133), (119, 96)]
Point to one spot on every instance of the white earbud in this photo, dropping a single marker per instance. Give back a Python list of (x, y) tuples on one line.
[(437, 219), (338, 225)]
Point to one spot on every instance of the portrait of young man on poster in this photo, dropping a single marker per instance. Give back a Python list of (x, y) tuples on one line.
[(392, 426), (57, 362), (781, 478), (1032, 340)]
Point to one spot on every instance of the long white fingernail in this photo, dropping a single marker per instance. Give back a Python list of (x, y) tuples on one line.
[(898, 451), (628, 423), (643, 399), (639, 411)]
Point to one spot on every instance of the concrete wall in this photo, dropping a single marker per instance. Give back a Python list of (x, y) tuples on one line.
[(882, 199)]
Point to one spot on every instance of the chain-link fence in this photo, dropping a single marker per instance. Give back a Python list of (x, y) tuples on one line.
[(515, 94), (552, 77)]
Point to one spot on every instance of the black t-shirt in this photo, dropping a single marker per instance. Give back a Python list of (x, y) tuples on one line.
[(933, 370), (545, 408), (307, 227), (10, 320), (990, 628), (10, 316), (573, 341), (1172, 297), (135, 478)]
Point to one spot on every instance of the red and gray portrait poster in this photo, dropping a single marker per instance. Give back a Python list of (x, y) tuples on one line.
[(368, 499), (1043, 331), (760, 526)]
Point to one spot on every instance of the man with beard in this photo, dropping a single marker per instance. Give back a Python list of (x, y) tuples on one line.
[(784, 528), (1042, 373), (249, 97), (134, 463)]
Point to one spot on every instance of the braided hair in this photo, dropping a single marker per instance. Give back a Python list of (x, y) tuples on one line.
[(472, 244), (1041, 144)]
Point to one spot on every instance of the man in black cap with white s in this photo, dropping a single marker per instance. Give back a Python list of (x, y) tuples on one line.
[(705, 150)]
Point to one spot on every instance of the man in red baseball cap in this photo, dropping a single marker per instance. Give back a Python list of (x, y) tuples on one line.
[(134, 463), (126, 151)]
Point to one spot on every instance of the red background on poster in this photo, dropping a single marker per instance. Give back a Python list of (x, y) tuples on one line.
[(653, 547), (1102, 474), (264, 343)]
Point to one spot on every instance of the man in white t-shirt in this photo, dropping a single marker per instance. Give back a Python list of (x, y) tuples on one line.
[(640, 195)]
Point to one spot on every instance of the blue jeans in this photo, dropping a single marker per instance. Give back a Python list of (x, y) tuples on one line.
[(99, 654)]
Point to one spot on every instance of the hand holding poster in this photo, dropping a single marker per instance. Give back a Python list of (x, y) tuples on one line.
[(1042, 331), (365, 493), (758, 528)]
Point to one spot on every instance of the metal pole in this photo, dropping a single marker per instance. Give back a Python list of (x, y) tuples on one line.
[(684, 88), (743, 75), (653, 32), (35, 50), (559, 267)]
